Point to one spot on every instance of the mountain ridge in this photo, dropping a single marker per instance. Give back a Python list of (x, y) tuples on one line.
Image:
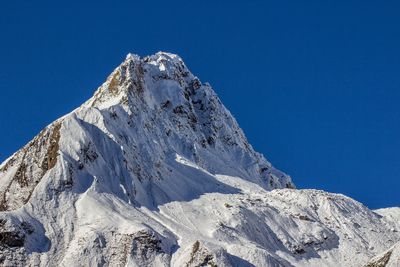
[(153, 170)]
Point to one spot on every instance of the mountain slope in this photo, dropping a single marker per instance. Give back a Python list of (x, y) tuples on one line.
[(154, 171)]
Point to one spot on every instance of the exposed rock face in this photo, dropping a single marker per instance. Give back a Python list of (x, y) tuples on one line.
[(24, 170), (154, 171), (389, 258), (15, 240)]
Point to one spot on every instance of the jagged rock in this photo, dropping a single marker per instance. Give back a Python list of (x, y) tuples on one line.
[(389, 258)]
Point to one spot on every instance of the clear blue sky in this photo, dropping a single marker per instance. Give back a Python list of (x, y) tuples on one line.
[(314, 84)]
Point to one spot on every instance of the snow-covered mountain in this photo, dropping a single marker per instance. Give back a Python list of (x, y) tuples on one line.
[(153, 170)]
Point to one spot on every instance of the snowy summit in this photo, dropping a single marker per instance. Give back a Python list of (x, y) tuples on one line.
[(153, 170)]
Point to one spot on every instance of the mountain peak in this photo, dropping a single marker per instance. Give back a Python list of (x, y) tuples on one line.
[(163, 86), (131, 56), (161, 59), (137, 76)]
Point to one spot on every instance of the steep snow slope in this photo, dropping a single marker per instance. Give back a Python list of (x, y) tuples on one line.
[(392, 216), (154, 171), (390, 257)]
